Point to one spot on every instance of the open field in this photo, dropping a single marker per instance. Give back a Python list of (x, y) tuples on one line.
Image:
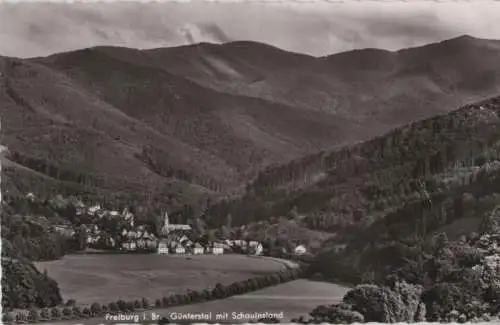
[(294, 299), (103, 278)]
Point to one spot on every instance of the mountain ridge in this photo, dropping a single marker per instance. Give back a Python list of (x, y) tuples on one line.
[(163, 120)]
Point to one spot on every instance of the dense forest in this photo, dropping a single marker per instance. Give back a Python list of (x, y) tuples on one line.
[(356, 183), (26, 239), (415, 204)]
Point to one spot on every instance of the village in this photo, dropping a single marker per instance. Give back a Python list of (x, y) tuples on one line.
[(110, 230)]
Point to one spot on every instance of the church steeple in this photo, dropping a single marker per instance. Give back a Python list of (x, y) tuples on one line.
[(165, 224)]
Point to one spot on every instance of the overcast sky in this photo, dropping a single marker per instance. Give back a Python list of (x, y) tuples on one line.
[(317, 28)]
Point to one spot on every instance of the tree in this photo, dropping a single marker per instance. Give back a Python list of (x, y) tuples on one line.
[(33, 315), (45, 314), (77, 311), (55, 313), (376, 304), (67, 312), (95, 309), (489, 224), (145, 303), (86, 312), (7, 318), (113, 307), (336, 314)]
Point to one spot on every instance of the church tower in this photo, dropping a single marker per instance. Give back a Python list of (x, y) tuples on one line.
[(165, 229)]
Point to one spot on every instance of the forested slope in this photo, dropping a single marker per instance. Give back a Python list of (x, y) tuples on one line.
[(364, 181)]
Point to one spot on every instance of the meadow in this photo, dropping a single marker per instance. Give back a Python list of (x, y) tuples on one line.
[(294, 299), (103, 278)]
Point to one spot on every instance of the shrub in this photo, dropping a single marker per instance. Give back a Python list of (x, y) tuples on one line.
[(33, 315), (77, 311), (55, 313), (86, 312), (137, 304), (441, 299), (129, 306), (336, 314), (376, 304), (122, 305), (145, 303), (45, 314), (410, 295), (67, 312), (95, 309), (113, 307), (420, 316), (21, 317), (158, 303), (70, 302), (7, 318), (163, 320), (166, 301)]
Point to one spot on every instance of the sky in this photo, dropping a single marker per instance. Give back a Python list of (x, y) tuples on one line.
[(313, 27)]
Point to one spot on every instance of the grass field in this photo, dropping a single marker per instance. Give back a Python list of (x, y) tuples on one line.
[(294, 299), (89, 278)]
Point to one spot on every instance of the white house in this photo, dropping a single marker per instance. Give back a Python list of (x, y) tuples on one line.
[(198, 249), (299, 250), (162, 248), (180, 250), (218, 250), (258, 249), (94, 209), (130, 246), (30, 196)]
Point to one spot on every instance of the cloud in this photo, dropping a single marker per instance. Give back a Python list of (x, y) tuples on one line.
[(204, 32), (320, 28)]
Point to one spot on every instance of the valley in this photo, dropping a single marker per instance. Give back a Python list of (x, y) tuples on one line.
[(384, 165)]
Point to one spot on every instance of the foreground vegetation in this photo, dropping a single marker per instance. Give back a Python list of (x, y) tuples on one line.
[(219, 291), (389, 200)]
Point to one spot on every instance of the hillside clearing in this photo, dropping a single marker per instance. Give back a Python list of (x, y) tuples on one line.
[(105, 278)]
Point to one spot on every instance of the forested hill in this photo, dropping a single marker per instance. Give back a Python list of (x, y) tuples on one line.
[(367, 181)]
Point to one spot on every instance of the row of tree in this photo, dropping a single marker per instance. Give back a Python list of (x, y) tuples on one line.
[(219, 291)]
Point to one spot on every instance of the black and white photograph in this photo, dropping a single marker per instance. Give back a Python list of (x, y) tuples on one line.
[(232, 162)]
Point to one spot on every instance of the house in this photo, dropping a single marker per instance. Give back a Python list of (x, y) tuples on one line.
[(198, 249), (180, 250), (255, 248), (31, 197), (129, 245), (94, 209), (300, 250), (218, 251), (162, 248), (64, 230), (132, 234)]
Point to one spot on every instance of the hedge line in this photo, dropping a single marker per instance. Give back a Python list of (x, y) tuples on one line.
[(219, 291)]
